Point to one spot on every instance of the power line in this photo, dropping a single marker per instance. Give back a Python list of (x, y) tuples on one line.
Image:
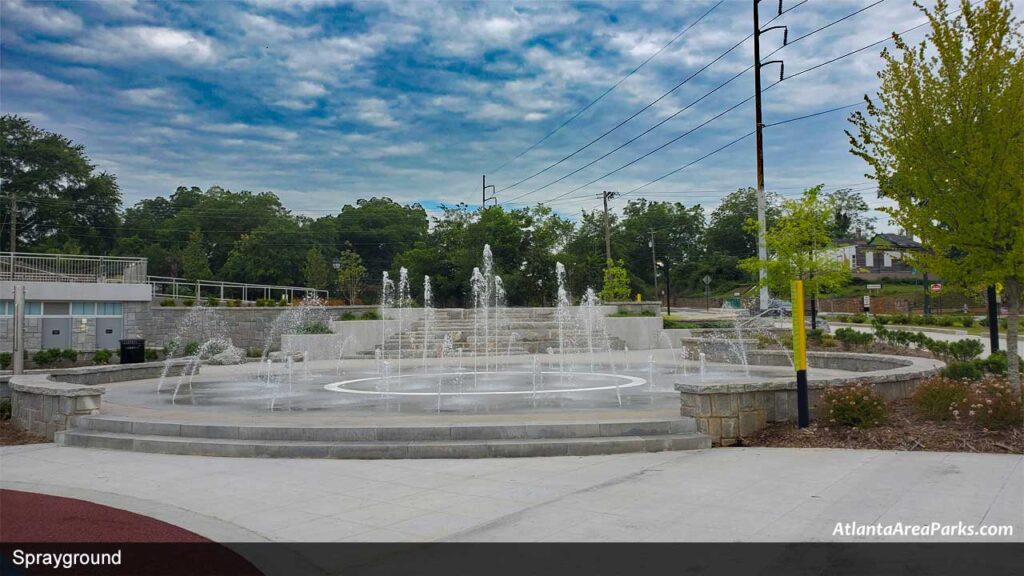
[(829, 25), (634, 115), (609, 90), (676, 113)]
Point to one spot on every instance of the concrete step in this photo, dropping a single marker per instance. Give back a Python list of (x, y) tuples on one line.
[(441, 441), (383, 449)]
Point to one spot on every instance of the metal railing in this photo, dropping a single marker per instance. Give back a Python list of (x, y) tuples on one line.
[(30, 267), (181, 288)]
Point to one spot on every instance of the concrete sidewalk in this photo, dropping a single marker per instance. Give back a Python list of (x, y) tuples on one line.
[(726, 494)]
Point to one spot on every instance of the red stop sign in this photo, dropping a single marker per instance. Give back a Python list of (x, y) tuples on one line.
[(936, 288)]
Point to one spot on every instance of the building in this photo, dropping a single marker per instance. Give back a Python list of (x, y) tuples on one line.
[(882, 256)]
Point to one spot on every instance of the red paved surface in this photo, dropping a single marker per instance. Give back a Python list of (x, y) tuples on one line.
[(149, 546), (30, 517)]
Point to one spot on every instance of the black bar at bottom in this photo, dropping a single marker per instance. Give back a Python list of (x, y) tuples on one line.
[(802, 410)]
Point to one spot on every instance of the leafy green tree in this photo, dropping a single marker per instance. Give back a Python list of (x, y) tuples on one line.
[(194, 260), (351, 275), (678, 235), (584, 252), (849, 215), (379, 229), (800, 248), (727, 231), (616, 282), (271, 254), (945, 142), (316, 271), (60, 198)]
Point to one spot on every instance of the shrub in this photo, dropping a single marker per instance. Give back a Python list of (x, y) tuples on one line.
[(945, 321), (991, 404), (188, 302), (212, 301), (253, 352), (995, 363), (152, 354), (347, 316), (191, 348), (962, 371), (966, 349), (858, 405), (168, 302), (102, 356), (233, 303), (937, 397), (850, 337), (69, 354), (371, 315), (5, 408), (5, 360), (46, 357), (858, 318), (967, 321), (815, 335), (828, 341), (314, 328)]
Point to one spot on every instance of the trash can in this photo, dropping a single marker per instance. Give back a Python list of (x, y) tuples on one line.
[(133, 350)]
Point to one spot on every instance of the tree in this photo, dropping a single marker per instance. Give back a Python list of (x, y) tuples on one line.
[(800, 248), (727, 231), (60, 198), (351, 274), (194, 260), (316, 271), (678, 235), (379, 229), (945, 141), (616, 283), (849, 215)]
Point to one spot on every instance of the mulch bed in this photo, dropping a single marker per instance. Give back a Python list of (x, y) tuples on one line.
[(11, 435), (905, 430)]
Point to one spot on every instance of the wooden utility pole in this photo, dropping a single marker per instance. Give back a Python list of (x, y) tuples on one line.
[(483, 193), (654, 262), (607, 227), (14, 226), (762, 248)]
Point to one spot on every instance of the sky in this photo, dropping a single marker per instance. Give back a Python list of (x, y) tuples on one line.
[(324, 102)]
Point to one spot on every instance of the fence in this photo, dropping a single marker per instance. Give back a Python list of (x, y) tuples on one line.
[(28, 267), (180, 288)]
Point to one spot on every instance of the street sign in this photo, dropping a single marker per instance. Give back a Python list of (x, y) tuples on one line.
[(707, 279), (874, 286), (936, 288)]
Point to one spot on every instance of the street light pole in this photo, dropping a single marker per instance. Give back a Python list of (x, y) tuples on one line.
[(607, 227), (654, 262), (667, 265)]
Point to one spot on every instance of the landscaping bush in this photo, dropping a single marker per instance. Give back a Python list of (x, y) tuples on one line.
[(102, 356), (233, 303), (849, 337), (314, 328), (69, 354), (5, 360), (212, 301), (966, 349), (46, 357), (962, 371), (188, 302), (253, 352), (858, 318), (858, 405), (937, 397), (992, 404), (191, 348), (347, 316), (5, 408), (967, 321), (152, 354), (168, 302), (371, 315), (995, 363)]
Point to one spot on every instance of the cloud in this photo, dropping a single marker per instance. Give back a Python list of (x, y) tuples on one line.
[(375, 112), (29, 82), (149, 97), (134, 43), (42, 18)]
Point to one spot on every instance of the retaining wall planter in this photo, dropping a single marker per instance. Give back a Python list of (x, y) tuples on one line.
[(44, 407), (728, 412)]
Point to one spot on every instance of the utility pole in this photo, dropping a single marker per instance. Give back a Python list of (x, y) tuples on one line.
[(654, 262), (762, 248), (607, 228), (483, 193), (993, 319)]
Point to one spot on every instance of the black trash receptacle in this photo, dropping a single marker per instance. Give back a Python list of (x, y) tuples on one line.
[(133, 350)]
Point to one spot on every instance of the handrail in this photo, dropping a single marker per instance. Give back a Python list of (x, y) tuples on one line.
[(174, 287), (42, 267)]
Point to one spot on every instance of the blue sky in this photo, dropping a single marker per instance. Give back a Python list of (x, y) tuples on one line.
[(325, 102)]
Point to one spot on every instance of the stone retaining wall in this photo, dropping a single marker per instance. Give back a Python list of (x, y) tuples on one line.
[(43, 407), (728, 412)]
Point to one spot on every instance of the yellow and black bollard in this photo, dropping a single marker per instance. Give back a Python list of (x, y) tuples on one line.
[(800, 355)]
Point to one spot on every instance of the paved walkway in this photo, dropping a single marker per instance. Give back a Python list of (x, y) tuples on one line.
[(725, 494)]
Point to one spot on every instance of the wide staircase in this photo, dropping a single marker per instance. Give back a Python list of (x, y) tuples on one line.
[(572, 438), (510, 331)]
